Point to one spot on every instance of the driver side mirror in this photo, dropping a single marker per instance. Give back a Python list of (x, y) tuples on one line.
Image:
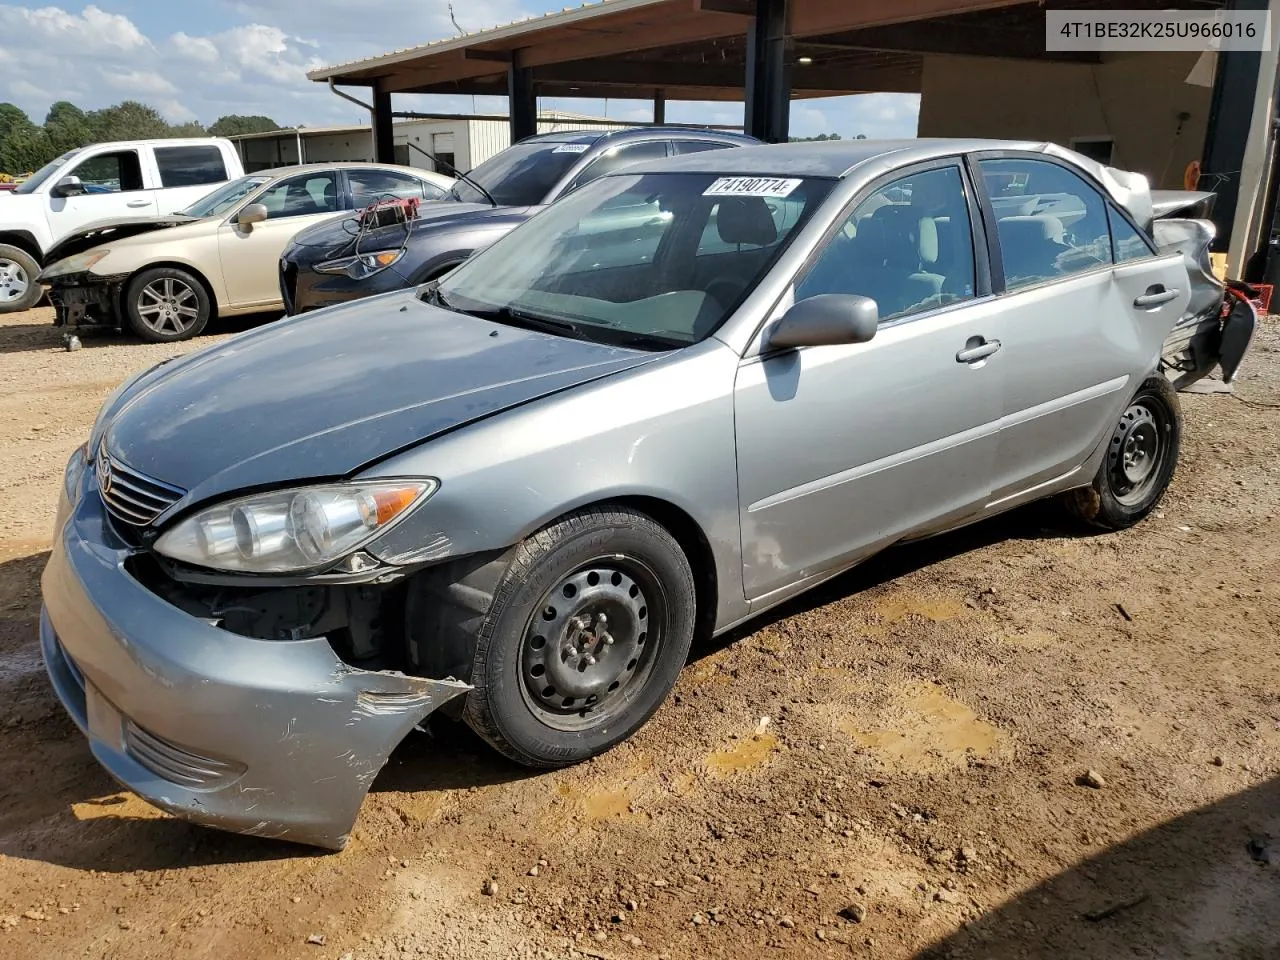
[(253, 213), (827, 320), (68, 187)]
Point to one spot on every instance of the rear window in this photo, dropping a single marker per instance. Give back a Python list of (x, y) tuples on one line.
[(190, 166)]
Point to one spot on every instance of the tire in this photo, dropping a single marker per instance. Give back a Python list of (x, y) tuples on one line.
[(555, 683), (18, 287), (1142, 454), (165, 305)]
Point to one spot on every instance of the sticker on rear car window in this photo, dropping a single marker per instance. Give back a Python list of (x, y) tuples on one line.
[(751, 187), (572, 148)]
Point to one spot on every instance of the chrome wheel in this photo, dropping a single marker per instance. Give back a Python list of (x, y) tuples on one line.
[(168, 305), (592, 643), (1135, 453), (14, 282)]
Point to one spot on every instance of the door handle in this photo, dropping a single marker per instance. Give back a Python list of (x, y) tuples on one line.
[(138, 203), (1155, 298), (977, 349)]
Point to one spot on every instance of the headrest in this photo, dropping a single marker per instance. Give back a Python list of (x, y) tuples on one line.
[(1033, 229), (906, 239), (927, 233), (746, 220)]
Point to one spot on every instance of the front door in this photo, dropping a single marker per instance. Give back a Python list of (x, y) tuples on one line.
[(111, 188), (250, 254), (843, 449)]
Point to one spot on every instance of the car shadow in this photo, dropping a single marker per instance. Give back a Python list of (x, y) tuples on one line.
[(1042, 520), (75, 816), (1204, 884), (39, 336)]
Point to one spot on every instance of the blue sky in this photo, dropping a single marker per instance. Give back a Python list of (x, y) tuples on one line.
[(200, 59)]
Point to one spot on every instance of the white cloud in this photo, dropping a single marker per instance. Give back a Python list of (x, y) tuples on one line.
[(92, 30), (199, 49), (139, 82)]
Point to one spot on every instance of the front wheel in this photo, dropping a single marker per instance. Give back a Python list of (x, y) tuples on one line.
[(1142, 455), (165, 304), (585, 635), (18, 287)]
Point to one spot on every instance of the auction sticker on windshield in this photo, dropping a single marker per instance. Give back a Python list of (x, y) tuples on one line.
[(572, 148), (751, 187)]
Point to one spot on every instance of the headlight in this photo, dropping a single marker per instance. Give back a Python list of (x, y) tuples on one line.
[(74, 472), (290, 531), (78, 263), (363, 266)]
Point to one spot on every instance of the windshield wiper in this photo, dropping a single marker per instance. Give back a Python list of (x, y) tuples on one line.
[(453, 191), (518, 318)]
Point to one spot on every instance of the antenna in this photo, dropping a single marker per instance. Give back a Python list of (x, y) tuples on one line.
[(461, 32)]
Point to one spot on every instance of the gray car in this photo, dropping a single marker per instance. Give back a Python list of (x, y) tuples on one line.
[(519, 493)]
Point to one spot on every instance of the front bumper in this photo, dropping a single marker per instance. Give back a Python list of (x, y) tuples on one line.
[(273, 739), (86, 300)]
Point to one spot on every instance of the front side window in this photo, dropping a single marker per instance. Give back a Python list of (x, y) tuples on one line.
[(1051, 223), (615, 261), (302, 196), (190, 166), (616, 158), (119, 172), (1126, 241), (908, 246), (369, 186)]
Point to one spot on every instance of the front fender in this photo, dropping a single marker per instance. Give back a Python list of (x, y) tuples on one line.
[(663, 431)]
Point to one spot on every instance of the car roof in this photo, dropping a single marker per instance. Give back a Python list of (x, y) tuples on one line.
[(275, 172), (639, 133), (833, 159)]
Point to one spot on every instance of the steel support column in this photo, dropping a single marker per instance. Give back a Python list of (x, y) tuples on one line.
[(768, 109), (384, 141), (659, 107), (523, 99)]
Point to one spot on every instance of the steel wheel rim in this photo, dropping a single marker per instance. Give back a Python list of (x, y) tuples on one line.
[(1137, 451), (168, 305), (14, 282), (591, 644)]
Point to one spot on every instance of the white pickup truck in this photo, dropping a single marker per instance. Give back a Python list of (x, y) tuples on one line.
[(104, 181)]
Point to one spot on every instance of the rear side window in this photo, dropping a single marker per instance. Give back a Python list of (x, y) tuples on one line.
[(1126, 241), (190, 166), (1051, 222), (618, 157), (697, 146)]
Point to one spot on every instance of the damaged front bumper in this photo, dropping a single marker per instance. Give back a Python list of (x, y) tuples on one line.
[(85, 300), (277, 739)]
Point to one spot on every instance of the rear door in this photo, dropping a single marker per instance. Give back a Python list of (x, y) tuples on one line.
[(843, 449), (113, 186), (250, 254), (1073, 326)]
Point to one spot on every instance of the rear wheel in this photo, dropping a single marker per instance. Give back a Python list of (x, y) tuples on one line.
[(1142, 455), (18, 272), (165, 304), (585, 635)]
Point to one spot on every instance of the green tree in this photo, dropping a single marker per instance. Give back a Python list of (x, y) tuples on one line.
[(25, 149), (129, 120), (234, 124), (12, 118), (192, 129), (67, 127)]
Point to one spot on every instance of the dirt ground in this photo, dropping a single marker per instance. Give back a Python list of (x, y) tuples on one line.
[(890, 767)]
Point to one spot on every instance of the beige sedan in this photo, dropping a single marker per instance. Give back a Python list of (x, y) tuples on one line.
[(163, 278)]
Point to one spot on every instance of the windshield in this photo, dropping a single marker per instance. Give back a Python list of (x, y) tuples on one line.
[(651, 260), (44, 173), (521, 176), (224, 198)]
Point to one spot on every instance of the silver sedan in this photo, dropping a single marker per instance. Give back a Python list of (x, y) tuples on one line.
[(519, 493)]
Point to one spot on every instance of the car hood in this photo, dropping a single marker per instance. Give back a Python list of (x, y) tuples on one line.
[(333, 236), (108, 231), (322, 395)]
